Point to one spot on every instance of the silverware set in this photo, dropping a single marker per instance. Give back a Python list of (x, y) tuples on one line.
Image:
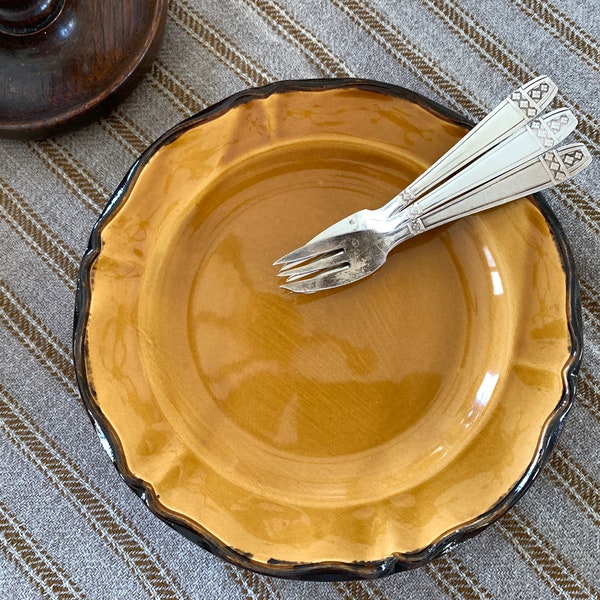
[(513, 152)]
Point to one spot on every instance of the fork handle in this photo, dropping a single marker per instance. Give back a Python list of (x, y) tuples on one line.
[(531, 140), (544, 171), (523, 105)]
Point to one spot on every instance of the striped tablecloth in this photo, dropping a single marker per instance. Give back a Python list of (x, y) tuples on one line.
[(69, 527)]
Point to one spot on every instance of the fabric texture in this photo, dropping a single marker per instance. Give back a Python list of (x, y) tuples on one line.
[(69, 526)]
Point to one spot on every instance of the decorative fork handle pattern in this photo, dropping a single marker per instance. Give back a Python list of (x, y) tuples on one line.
[(551, 168), (519, 108)]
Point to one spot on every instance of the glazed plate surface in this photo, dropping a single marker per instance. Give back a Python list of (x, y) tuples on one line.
[(349, 433)]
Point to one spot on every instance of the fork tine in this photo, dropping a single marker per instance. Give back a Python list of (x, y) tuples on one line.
[(321, 281), (320, 263), (308, 251)]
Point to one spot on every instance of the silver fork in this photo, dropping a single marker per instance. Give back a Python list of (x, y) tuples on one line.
[(342, 259)]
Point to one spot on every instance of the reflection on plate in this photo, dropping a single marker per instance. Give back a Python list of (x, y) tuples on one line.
[(350, 433)]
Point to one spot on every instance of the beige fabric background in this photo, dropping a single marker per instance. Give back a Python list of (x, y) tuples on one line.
[(69, 527)]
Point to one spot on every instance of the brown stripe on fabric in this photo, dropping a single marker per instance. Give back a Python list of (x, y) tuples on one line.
[(315, 51), (40, 569), (432, 571), (493, 51), (205, 34), (498, 55), (590, 303), (69, 171), (16, 316), (541, 556), (174, 90), (560, 26), (456, 579), (99, 512), (581, 204), (397, 45), (588, 392), (126, 132), (53, 251), (577, 482), (346, 592)]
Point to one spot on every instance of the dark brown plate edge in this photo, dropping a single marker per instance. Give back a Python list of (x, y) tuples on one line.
[(320, 571)]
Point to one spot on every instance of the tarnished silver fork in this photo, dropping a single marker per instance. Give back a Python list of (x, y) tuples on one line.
[(341, 259), (507, 139)]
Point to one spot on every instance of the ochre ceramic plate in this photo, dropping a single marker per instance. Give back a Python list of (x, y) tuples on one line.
[(349, 433)]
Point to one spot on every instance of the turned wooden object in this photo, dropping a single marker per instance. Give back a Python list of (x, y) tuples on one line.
[(64, 60)]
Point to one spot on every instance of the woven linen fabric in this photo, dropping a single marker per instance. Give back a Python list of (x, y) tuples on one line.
[(69, 526)]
